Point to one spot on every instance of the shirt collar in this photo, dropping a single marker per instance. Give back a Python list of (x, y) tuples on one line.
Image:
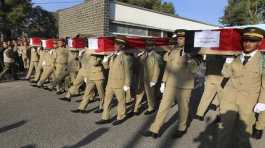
[(252, 54)]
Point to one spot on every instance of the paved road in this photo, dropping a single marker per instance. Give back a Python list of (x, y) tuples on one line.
[(35, 118)]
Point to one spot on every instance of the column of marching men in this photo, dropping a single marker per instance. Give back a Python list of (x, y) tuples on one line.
[(234, 84)]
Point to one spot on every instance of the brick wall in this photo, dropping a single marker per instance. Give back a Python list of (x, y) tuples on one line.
[(91, 17)]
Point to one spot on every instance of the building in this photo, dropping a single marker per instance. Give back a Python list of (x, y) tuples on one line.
[(110, 17)]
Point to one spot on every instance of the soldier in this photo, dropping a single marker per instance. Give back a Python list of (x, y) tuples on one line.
[(118, 84), (85, 56), (9, 62), (23, 52), (2, 48), (214, 66), (39, 70), (34, 60), (73, 65), (242, 92), (93, 79), (178, 82), (48, 64), (61, 67), (148, 77)]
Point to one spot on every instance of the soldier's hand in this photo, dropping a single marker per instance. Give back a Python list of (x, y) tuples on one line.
[(162, 88), (260, 107), (152, 84), (126, 88), (229, 60), (106, 58)]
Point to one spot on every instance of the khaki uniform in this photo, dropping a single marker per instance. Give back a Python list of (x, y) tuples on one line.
[(241, 93), (82, 73), (34, 60), (40, 66), (119, 76), (94, 79), (61, 67), (212, 84), (48, 64), (23, 51), (73, 65), (179, 80), (150, 71)]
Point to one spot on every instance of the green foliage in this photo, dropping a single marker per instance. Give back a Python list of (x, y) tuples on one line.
[(243, 12), (158, 5), (18, 16)]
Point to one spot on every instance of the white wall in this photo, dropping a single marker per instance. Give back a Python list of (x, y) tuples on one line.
[(128, 14)]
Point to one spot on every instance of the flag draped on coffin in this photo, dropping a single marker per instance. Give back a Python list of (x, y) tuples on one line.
[(48, 44), (35, 41)]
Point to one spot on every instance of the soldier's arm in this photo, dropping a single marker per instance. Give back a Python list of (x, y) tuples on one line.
[(262, 90), (127, 72), (156, 69), (227, 70)]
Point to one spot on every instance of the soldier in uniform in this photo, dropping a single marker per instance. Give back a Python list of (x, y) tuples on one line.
[(61, 66), (94, 79), (243, 92), (48, 64), (73, 66), (85, 56), (39, 70), (178, 82), (148, 77), (23, 52), (214, 66), (118, 84), (34, 60)]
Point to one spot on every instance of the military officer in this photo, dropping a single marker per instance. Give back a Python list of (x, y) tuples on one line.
[(85, 56), (118, 84), (242, 92), (61, 67), (214, 66), (23, 52), (39, 70), (94, 79), (178, 82), (73, 65), (48, 64), (34, 60), (148, 77)]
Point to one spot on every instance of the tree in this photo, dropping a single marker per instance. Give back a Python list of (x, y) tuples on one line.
[(19, 16), (158, 5), (243, 12)]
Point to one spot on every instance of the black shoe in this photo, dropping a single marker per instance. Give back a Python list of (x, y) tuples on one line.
[(103, 122), (76, 111), (118, 122), (65, 99), (149, 112), (32, 81), (151, 134), (34, 85), (47, 88), (257, 134), (136, 113), (200, 118), (59, 92), (98, 111), (179, 134)]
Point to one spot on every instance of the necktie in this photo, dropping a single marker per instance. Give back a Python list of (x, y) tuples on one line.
[(246, 59)]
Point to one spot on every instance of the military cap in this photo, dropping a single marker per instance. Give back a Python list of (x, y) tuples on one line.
[(179, 33), (149, 41), (121, 40), (172, 41), (253, 34)]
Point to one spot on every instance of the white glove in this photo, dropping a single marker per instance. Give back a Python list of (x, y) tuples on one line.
[(126, 88), (81, 52), (260, 107), (162, 88), (106, 58), (43, 63), (229, 60), (152, 84), (85, 80)]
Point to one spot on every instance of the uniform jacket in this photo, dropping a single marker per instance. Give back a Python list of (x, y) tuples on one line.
[(179, 70), (119, 71), (246, 83)]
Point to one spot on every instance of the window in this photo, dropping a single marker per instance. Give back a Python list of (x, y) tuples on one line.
[(125, 29)]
